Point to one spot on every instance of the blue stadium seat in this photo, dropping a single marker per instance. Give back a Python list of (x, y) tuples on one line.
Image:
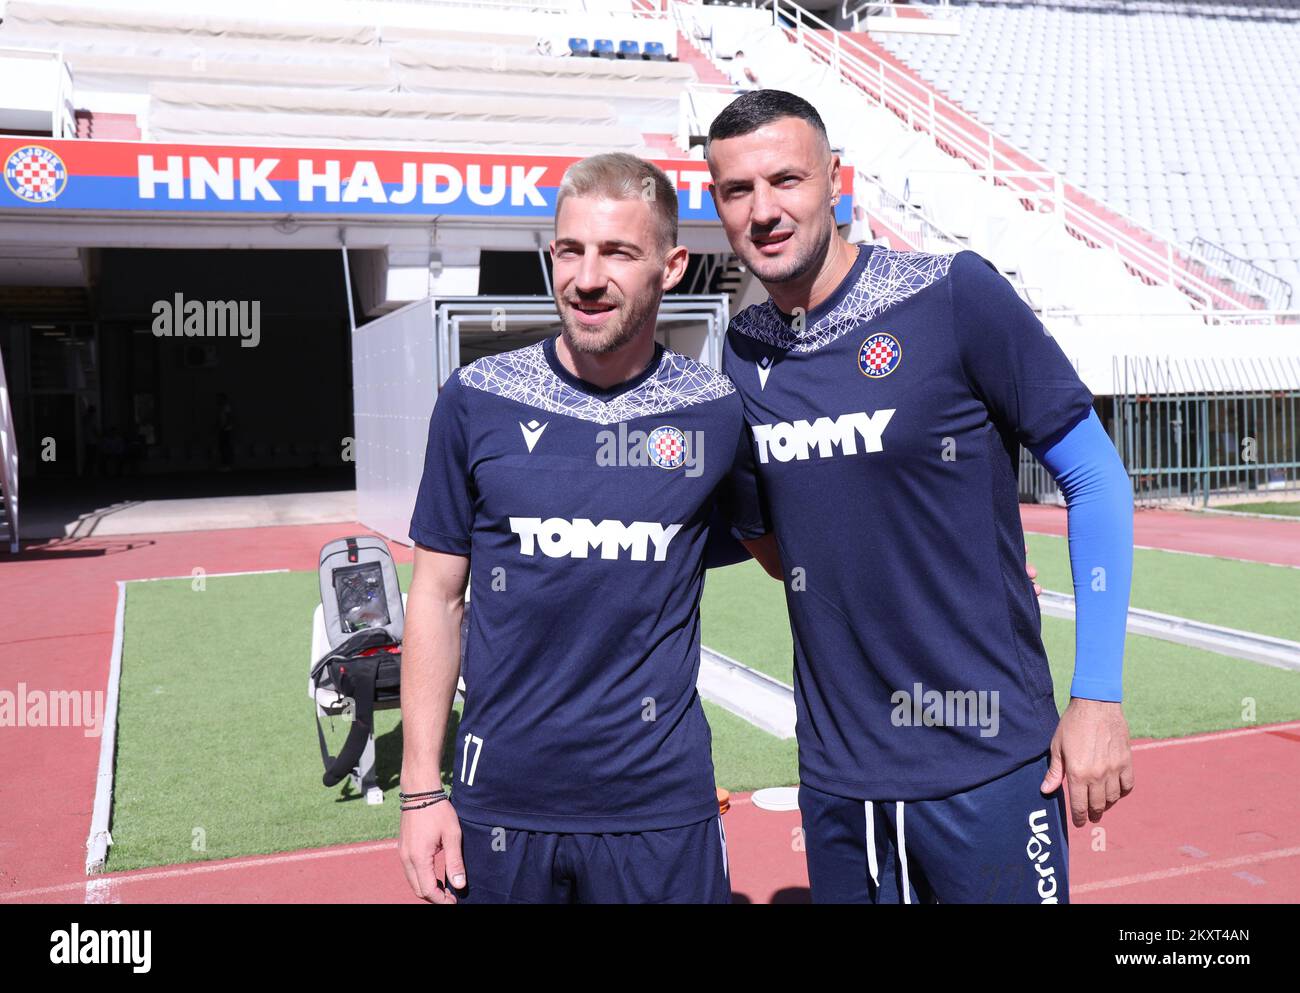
[(629, 50), (654, 51), (579, 46), (604, 48)]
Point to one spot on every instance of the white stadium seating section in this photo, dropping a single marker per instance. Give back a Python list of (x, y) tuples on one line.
[(370, 74), (1185, 117)]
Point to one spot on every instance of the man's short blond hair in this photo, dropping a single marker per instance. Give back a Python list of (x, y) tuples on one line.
[(620, 176)]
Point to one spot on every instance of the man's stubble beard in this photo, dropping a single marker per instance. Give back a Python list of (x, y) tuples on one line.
[(797, 267), (580, 339)]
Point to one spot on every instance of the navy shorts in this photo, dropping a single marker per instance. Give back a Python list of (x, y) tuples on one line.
[(1000, 842), (677, 865)]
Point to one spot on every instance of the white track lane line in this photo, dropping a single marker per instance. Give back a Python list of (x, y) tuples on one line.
[(1185, 870), (1198, 739)]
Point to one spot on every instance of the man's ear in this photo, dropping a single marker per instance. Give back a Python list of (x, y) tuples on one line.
[(675, 266), (835, 175)]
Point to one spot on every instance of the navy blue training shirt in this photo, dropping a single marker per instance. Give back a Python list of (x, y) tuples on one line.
[(584, 513), (886, 427)]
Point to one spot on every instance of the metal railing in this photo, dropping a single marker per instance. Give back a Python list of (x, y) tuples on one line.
[(486, 317), (1270, 286), (934, 9), (1210, 318), (8, 463), (1152, 257), (1192, 430), (905, 220)]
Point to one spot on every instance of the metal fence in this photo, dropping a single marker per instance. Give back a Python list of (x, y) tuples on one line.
[(1191, 431)]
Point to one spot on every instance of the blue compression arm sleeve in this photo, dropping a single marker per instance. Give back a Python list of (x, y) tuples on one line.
[(1099, 496)]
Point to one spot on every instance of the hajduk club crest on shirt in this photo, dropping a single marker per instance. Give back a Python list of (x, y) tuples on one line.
[(879, 355), (666, 447)]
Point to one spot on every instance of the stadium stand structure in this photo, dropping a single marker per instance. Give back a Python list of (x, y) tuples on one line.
[(385, 77), (1183, 116), (929, 176)]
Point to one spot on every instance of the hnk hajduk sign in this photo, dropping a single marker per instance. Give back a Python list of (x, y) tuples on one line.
[(152, 177)]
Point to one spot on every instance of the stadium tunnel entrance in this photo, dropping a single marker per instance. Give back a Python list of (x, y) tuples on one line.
[(179, 373)]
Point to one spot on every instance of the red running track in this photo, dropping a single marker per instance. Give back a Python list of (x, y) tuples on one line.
[(1214, 818), (60, 600), (1251, 538)]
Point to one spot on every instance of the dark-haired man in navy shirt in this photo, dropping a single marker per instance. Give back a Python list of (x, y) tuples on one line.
[(887, 394), (571, 484)]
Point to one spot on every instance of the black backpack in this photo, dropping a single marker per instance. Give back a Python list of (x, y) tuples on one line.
[(362, 604)]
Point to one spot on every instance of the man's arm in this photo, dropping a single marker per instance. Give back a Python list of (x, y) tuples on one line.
[(1090, 749), (430, 669), (740, 526), (1020, 373)]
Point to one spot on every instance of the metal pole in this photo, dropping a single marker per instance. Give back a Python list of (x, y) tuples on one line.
[(1204, 404), (347, 286)]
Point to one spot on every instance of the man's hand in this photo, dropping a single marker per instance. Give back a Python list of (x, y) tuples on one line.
[(425, 834), (1090, 751), (1033, 573)]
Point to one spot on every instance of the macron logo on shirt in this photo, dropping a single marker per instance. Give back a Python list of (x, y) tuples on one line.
[(798, 440), (558, 538)]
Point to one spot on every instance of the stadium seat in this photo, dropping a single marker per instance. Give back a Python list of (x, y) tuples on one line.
[(604, 49), (579, 46), (1140, 115), (629, 50), (654, 50)]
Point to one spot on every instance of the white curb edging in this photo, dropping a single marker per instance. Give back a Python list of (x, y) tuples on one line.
[(99, 840)]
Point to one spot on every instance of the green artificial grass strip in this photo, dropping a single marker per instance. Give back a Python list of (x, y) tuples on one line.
[(743, 615), (216, 750), (1250, 596), (1171, 690), (1290, 509), (217, 753), (747, 758)]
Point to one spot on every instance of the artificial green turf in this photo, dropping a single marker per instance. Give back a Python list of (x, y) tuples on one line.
[(1251, 596), (216, 746), (743, 615), (1170, 689), (1291, 509), (217, 752), (745, 758)]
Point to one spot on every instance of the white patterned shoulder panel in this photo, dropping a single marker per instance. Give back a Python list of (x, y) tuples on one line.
[(888, 278), (525, 376)]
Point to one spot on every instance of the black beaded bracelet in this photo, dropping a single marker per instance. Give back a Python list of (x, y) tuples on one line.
[(421, 806), (420, 796)]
